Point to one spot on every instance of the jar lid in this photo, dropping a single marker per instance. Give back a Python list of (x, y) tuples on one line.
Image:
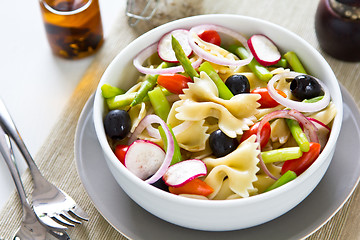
[(346, 8)]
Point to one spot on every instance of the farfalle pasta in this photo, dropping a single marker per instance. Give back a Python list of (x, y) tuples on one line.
[(219, 125)]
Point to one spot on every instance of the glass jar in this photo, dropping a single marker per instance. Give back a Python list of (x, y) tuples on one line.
[(337, 27)]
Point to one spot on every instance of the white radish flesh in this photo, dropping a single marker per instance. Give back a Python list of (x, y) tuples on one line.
[(165, 50), (264, 50), (183, 172), (144, 158)]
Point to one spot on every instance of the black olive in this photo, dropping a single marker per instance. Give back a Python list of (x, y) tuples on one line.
[(305, 87), (238, 84), (161, 185), (221, 144), (117, 124)]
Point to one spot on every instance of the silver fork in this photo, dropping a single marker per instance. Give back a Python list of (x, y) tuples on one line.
[(30, 228), (52, 206)]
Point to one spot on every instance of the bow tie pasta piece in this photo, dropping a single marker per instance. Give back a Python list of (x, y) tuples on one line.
[(192, 135), (137, 113), (228, 123), (326, 115), (279, 131), (203, 89), (263, 180), (240, 167)]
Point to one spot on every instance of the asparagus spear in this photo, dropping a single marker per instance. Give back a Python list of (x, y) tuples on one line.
[(285, 178), (294, 62), (282, 154)]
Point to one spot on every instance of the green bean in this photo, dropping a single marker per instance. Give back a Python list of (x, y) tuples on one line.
[(298, 135), (294, 62), (109, 91), (282, 63), (224, 91), (148, 84), (312, 100), (285, 178), (177, 154), (183, 59), (159, 102), (281, 154), (120, 101), (260, 71)]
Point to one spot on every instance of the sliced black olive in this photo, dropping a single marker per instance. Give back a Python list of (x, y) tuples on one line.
[(238, 84), (221, 144), (305, 87), (117, 124)]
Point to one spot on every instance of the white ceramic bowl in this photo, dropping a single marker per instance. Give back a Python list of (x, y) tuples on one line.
[(219, 215)]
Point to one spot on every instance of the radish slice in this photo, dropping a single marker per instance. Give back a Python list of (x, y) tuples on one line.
[(263, 50), (183, 172), (144, 158), (148, 120), (164, 46), (145, 54), (194, 40), (300, 106)]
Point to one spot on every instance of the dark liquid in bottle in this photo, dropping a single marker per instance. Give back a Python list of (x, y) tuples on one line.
[(72, 32), (338, 35)]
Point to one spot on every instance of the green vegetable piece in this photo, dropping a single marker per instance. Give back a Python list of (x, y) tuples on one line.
[(177, 154), (285, 178), (281, 154), (282, 63), (294, 62), (148, 84), (183, 59), (120, 101), (312, 100), (224, 91), (259, 70), (109, 91), (298, 135), (159, 102)]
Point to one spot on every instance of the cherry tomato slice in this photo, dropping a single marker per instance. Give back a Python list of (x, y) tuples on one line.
[(195, 186), (266, 100), (175, 83), (304, 162), (211, 36), (120, 151), (264, 135)]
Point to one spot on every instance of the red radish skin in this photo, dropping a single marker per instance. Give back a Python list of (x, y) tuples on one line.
[(164, 48), (264, 50), (182, 172), (144, 158)]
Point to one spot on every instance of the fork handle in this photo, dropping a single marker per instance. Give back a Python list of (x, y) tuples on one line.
[(6, 152), (9, 127)]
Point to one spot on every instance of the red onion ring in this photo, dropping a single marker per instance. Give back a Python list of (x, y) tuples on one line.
[(148, 120), (320, 123), (290, 114), (300, 106), (193, 36), (142, 56)]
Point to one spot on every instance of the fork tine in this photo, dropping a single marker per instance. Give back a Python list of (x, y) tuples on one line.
[(60, 220), (48, 221), (78, 212), (68, 217)]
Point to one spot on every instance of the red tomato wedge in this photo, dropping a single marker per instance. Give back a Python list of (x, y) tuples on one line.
[(195, 186), (304, 162), (265, 133), (211, 36), (120, 151), (266, 100), (175, 83)]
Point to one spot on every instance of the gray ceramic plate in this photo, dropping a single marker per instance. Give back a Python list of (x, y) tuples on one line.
[(135, 223)]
